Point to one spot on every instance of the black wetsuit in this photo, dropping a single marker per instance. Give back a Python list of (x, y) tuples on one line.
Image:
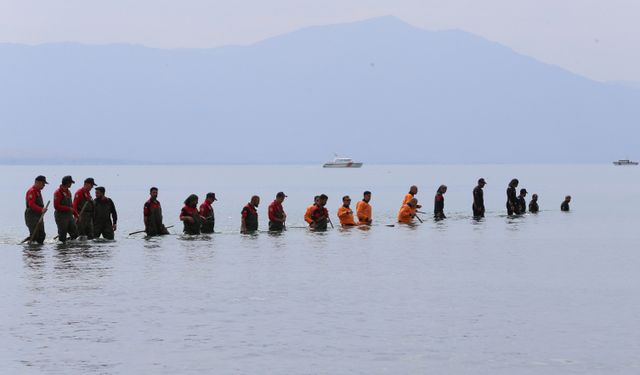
[(512, 201), (533, 207), (478, 202), (564, 206), (438, 207), (522, 205), (104, 218)]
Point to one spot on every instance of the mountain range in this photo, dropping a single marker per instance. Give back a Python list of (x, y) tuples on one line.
[(379, 90)]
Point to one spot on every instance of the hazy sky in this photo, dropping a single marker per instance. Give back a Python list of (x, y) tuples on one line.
[(595, 38)]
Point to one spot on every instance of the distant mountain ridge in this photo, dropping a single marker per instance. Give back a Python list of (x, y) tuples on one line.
[(378, 90)]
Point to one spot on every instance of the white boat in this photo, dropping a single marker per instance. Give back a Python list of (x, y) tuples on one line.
[(625, 162), (342, 163)]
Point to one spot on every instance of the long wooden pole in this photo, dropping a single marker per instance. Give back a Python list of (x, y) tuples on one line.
[(38, 224)]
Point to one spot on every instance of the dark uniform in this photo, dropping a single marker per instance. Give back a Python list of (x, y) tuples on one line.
[(208, 224), (512, 201), (83, 204), (65, 215), (565, 206), (153, 213), (192, 228), (250, 216), (104, 218), (522, 205), (320, 216), (438, 207), (32, 213), (533, 207), (478, 202)]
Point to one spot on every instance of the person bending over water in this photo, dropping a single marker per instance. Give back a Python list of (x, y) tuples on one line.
[(565, 204)]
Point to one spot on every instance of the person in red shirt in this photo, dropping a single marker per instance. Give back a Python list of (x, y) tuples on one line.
[(206, 211), (83, 204), (153, 215), (190, 216), (249, 220), (65, 214), (277, 217), (320, 215), (35, 209)]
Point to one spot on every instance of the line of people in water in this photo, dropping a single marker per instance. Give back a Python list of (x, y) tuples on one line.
[(82, 215)]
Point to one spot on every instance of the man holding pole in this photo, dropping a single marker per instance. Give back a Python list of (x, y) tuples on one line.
[(83, 204), (35, 210)]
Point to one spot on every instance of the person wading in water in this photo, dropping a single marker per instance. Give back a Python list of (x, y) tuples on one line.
[(83, 204), (35, 209), (105, 217), (190, 216), (478, 199), (249, 220), (153, 215), (533, 205), (438, 205), (277, 216), (64, 213), (512, 197), (206, 211)]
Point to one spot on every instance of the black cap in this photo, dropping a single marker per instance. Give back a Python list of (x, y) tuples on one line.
[(42, 178), (482, 181), (523, 190), (67, 180), (100, 188), (90, 180), (212, 195), (280, 194)]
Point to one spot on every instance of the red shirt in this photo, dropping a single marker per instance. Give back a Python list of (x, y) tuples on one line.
[(149, 205), (58, 195), (318, 213), (32, 196), (247, 208), (276, 211), (205, 209), (188, 211), (82, 195)]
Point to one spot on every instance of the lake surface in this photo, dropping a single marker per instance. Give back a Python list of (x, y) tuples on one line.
[(552, 293)]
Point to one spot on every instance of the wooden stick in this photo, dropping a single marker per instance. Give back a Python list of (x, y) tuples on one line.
[(144, 230), (35, 230)]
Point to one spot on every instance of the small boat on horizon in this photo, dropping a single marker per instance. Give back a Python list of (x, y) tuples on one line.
[(342, 163), (625, 162)]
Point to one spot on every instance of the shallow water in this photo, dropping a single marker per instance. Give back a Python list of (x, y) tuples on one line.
[(548, 293)]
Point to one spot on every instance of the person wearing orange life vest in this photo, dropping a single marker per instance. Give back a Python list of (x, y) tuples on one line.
[(83, 204), (65, 214), (307, 214), (363, 209), (413, 190), (35, 209), (345, 213), (408, 212)]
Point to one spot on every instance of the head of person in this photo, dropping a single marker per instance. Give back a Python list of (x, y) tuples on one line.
[(413, 202), (99, 192), (316, 199), (534, 197), (89, 183), (346, 201), (322, 200), (67, 181), (255, 201), (514, 183), (413, 190), (40, 181), (442, 189), (567, 198), (482, 182), (191, 201), (523, 192), (211, 197), (366, 196), (153, 192), (280, 197)]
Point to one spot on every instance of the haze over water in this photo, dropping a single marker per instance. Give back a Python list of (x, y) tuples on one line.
[(541, 294)]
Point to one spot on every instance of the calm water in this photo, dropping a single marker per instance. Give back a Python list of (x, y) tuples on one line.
[(543, 294)]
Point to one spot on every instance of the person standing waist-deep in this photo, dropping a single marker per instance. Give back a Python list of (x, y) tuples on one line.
[(65, 214), (35, 209), (478, 199)]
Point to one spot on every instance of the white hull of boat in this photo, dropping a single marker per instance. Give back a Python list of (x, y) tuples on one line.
[(341, 165)]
